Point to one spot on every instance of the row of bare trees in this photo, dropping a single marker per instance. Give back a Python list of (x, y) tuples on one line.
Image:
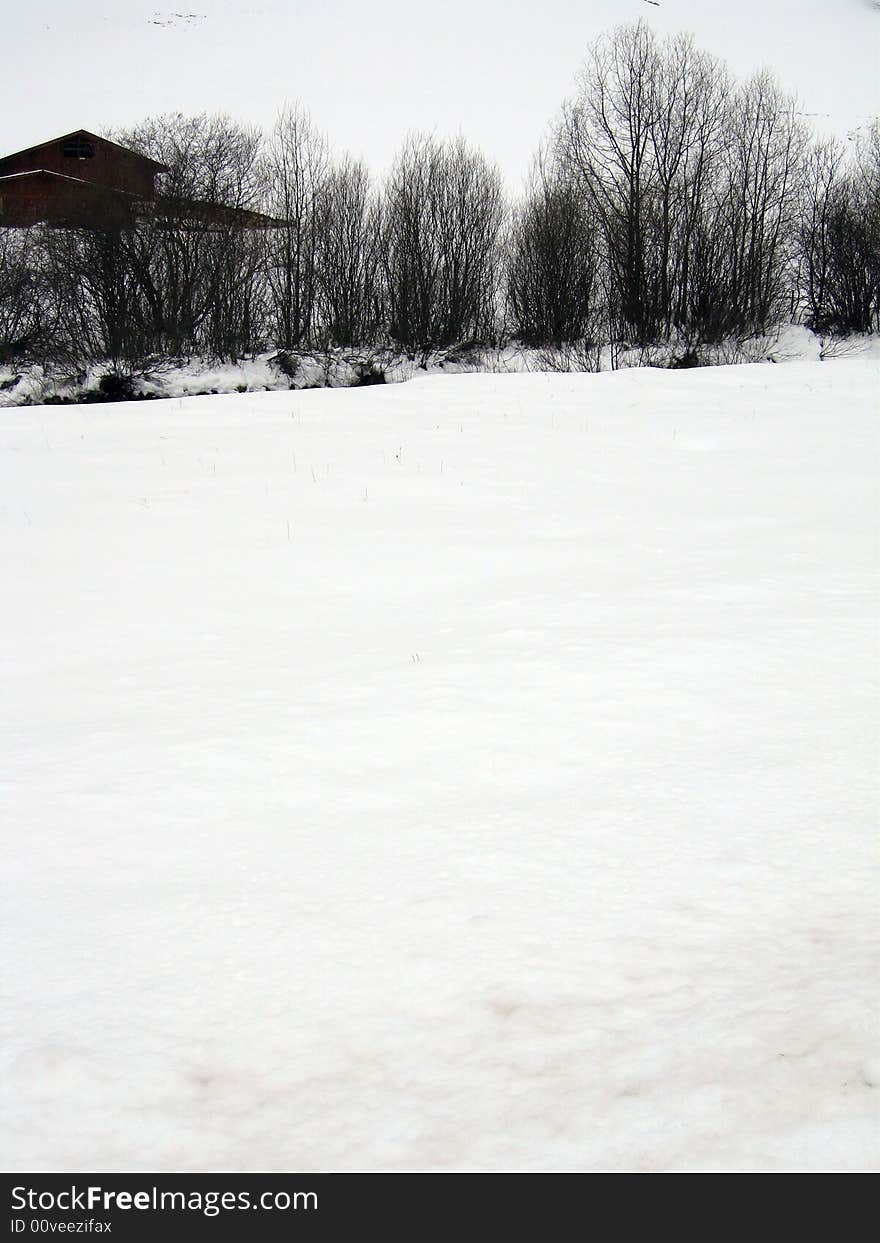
[(839, 238), (255, 244), (701, 207), (667, 203)]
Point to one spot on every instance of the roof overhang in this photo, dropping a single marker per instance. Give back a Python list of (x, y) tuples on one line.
[(32, 173)]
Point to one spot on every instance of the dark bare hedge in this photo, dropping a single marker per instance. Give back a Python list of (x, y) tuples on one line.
[(440, 219), (670, 203)]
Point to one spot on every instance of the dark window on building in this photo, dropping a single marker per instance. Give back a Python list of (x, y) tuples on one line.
[(77, 149)]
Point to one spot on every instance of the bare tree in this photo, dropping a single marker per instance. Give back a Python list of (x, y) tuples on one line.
[(553, 285), (198, 262), (641, 140), (866, 184), (442, 212), (101, 312), (295, 168), (28, 304), (840, 237), (604, 140), (689, 109), (821, 187), (349, 278), (757, 203)]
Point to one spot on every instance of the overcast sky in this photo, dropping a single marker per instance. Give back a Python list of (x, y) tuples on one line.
[(369, 70)]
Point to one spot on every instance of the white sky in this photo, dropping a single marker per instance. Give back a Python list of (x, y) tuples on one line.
[(369, 70)]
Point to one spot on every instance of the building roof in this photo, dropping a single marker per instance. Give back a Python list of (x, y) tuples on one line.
[(84, 133)]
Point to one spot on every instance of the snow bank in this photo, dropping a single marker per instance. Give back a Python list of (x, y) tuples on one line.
[(477, 773), (339, 368)]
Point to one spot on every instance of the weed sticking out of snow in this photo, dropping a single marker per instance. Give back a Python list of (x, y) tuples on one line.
[(286, 370)]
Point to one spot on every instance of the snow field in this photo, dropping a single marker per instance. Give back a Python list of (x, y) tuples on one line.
[(476, 773)]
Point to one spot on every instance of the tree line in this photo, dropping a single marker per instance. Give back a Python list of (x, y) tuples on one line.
[(668, 203)]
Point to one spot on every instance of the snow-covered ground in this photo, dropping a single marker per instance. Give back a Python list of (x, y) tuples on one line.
[(476, 773), (339, 368)]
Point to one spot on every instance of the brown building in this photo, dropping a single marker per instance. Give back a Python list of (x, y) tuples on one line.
[(82, 181), (77, 179)]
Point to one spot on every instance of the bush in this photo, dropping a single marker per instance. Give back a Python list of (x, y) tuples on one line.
[(115, 387)]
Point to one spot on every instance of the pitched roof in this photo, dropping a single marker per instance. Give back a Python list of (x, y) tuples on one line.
[(84, 133)]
